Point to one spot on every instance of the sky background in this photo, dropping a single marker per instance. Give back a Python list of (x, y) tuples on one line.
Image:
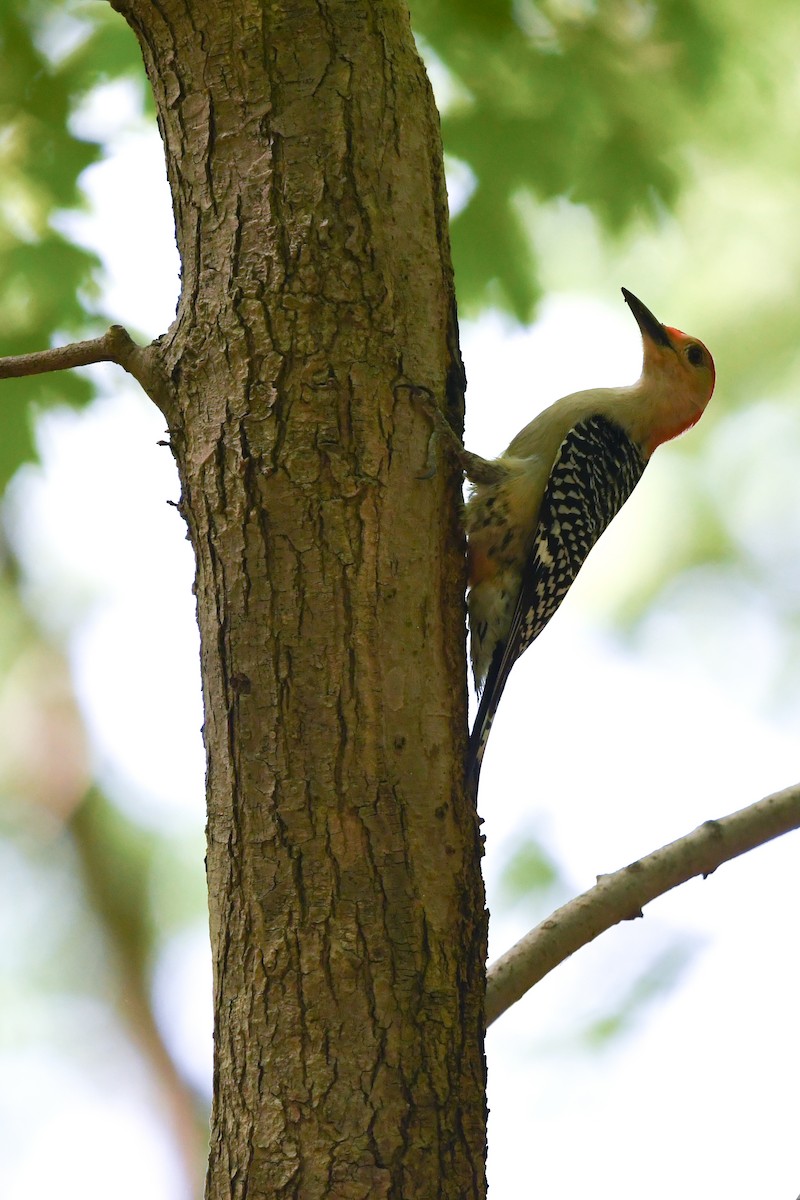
[(604, 748)]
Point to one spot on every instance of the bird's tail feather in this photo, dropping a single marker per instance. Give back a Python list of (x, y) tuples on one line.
[(490, 697)]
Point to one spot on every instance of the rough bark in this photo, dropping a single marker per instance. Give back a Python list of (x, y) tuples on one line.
[(347, 916)]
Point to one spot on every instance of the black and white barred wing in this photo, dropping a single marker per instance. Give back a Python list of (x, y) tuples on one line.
[(596, 469)]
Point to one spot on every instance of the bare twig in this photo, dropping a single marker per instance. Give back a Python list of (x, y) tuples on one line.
[(116, 345), (621, 896)]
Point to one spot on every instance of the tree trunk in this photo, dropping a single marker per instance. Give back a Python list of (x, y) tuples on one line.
[(347, 915)]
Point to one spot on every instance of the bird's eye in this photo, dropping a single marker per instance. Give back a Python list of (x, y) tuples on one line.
[(695, 355)]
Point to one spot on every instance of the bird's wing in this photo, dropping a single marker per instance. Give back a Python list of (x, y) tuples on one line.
[(596, 469)]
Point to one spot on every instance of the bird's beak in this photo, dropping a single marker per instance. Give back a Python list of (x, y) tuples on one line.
[(650, 327)]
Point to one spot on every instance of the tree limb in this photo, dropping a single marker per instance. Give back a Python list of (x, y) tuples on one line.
[(116, 345), (621, 896)]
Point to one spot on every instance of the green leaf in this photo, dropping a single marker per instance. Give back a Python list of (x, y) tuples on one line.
[(531, 871), (52, 54), (595, 103)]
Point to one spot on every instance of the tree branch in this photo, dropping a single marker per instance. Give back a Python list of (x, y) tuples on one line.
[(621, 896), (116, 345)]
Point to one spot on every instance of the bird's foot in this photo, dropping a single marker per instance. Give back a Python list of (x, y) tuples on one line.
[(476, 469)]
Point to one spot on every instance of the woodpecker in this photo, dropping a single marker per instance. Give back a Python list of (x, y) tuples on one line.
[(535, 512)]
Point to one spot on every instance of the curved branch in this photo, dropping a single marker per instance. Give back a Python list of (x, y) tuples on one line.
[(621, 896), (116, 345)]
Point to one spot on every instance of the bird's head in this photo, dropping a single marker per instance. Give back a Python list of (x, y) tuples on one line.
[(678, 373)]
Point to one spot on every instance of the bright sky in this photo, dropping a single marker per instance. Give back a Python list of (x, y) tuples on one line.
[(604, 755)]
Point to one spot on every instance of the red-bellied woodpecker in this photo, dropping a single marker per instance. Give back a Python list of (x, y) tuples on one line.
[(536, 511)]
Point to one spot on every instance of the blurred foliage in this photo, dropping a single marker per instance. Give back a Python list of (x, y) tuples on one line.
[(77, 891), (564, 99), (53, 55), (624, 999), (532, 874), (626, 1011)]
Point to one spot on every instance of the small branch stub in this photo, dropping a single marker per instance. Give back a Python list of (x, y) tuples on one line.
[(622, 895), (116, 345)]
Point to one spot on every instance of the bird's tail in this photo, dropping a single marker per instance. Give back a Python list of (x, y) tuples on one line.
[(490, 698)]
